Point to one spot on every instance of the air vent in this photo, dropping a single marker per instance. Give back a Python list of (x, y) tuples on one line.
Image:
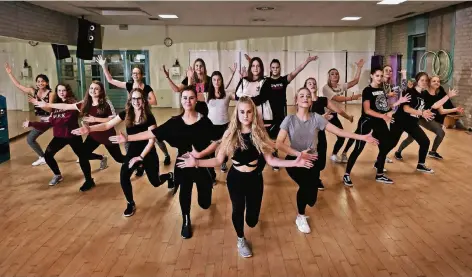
[(265, 8), (258, 20), (123, 27), (405, 14), (154, 18)]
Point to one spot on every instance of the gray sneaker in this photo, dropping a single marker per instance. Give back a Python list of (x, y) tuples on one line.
[(56, 180), (104, 163), (243, 248)]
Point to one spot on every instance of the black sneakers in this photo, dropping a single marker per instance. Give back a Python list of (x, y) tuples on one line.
[(167, 160), (186, 232), (347, 180), (383, 179), (435, 155), (89, 184), (130, 210), (224, 168), (398, 156), (423, 168), (321, 186)]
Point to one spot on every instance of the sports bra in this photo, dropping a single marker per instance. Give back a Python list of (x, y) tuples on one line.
[(243, 157)]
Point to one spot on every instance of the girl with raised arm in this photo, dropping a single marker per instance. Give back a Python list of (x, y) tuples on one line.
[(335, 91), (41, 92), (188, 132), (63, 122), (246, 142), (138, 82), (434, 102), (322, 106), (302, 130), (94, 109)]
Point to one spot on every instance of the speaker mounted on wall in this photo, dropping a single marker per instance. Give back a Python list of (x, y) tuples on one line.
[(86, 39), (61, 51)]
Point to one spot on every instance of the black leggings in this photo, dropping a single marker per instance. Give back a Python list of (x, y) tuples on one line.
[(308, 182), (413, 129), (380, 132), (340, 141), (151, 166), (203, 177), (245, 190), (114, 149), (321, 148), (76, 144)]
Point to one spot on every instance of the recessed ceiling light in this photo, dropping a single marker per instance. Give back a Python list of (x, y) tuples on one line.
[(265, 8), (258, 20), (123, 12), (168, 16), (351, 18), (390, 2)]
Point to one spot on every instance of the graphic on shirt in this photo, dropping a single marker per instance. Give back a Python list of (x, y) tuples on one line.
[(381, 103), (200, 87), (277, 86), (419, 106)]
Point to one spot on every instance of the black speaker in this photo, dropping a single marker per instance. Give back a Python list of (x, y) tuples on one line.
[(86, 39), (61, 51), (376, 61)]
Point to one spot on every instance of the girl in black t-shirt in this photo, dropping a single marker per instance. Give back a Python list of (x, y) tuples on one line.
[(320, 106), (435, 102), (374, 119), (138, 118), (189, 132)]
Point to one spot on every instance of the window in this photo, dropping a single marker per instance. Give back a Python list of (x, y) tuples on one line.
[(417, 45)]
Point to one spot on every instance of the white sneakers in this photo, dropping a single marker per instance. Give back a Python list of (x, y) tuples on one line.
[(302, 224), (40, 161)]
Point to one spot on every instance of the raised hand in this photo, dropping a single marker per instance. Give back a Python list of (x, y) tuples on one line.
[(311, 58), (233, 69), (166, 71), (190, 72), (370, 139), (247, 57), (404, 99), (119, 138), (100, 60), (243, 72), (360, 63), (7, 68), (186, 160), (134, 160), (452, 92)]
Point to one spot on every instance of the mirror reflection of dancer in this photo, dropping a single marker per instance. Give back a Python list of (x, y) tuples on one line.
[(62, 123), (302, 130), (42, 92), (138, 118), (247, 143), (188, 132)]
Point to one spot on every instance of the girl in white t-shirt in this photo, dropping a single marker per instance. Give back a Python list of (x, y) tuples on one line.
[(337, 92)]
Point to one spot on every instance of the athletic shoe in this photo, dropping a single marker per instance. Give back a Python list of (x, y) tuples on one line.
[(224, 168), (56, 180), (423, 168), (335, 159), (104, 162), (167, 160), (243, 248), (384, 170), (321, 186), (435, 155), (344, 158), (398, 156), (186, 232), (130, 210), (302, 224), (78, 161), (383, 179), (39, 161), (347, 180), (388, 160), (87, 185), (275, 168)]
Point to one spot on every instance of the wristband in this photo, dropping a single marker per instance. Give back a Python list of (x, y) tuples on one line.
[(141, 157)]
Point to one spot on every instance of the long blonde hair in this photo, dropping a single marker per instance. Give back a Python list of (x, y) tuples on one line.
[(234, 139)]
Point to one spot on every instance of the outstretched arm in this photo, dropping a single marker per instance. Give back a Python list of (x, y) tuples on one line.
[(297, 70), (355, 81), (107, 73), (15, 81)]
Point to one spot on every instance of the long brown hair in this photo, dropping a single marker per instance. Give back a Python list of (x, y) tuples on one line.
[(130, 113), (102, 101), (234, 139), (195, 75)]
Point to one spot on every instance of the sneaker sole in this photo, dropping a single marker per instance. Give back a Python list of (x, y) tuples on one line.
[(52, 185), (434, 157), (321, 189), (425, 171), (384, 182), (128, 215), (348, 185), (247, 256), (38, 164)]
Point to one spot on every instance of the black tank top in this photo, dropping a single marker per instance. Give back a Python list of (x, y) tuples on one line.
[(245, 156), (38, 111)]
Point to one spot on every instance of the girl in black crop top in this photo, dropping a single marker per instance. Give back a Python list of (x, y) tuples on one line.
[(248, 144), (138, 118), (41, 92)]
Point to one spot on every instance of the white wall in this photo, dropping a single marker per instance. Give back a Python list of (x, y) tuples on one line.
[(290, 50), (42, 61)]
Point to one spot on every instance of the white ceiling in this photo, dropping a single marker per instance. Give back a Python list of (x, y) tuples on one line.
[(242, 13)]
